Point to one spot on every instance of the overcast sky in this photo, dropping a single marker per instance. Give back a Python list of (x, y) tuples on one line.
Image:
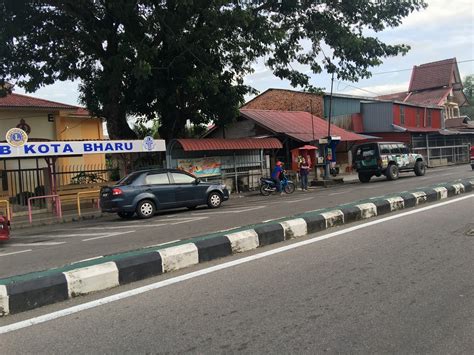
[(444, 30)]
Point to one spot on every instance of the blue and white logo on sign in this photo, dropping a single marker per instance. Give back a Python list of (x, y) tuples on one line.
[(148, 143), (16, 137)]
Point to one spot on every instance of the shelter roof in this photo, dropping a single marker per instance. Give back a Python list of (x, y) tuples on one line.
[(299, 125), (229, 144)]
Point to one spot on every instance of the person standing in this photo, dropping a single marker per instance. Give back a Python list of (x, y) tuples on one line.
[(304, 172)]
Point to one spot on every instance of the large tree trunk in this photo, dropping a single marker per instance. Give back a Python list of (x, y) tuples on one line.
[(117, 125), (172, 126)]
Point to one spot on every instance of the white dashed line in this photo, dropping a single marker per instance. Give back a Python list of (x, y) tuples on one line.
[(108, 235), (16, 252)]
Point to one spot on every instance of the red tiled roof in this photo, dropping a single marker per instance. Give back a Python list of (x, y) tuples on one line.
[(229, 144), (432, 75), (17, 100), (297, 124), (429, 97)]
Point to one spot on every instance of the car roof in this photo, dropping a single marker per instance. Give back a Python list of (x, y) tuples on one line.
[(158, 170)]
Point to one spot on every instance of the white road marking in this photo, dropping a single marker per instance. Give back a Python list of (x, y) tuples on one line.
[(301, 199), (35, 244), (123, 227), (108, 235), (61, 235), (88, 259), (339, 193), (230, 211), (160, 284), (16, 252)]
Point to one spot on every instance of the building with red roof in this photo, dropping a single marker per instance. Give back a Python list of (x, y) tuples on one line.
[(436, 84), (45, 120)]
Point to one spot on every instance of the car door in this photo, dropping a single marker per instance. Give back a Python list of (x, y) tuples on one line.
[(187, 190), (158, 184)]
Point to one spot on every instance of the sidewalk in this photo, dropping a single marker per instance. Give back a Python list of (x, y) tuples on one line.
[(71, 215)]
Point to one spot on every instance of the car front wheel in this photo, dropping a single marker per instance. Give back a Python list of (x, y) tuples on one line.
[(145, 209), (214, 200)]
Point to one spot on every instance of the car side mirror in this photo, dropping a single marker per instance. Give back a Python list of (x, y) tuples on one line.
[(197, 181)]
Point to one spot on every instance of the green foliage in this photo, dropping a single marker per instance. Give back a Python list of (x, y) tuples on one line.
[(468, 84), (186, 59)]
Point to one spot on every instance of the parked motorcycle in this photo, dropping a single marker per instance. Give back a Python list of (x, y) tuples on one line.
[(268, 186)]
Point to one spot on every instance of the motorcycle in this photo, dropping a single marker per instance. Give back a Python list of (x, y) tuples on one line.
[(268, 186)]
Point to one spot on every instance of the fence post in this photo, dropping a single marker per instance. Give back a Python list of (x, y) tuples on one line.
[(235, 175)]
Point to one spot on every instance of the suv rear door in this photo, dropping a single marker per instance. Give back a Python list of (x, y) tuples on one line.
[(366, 156)]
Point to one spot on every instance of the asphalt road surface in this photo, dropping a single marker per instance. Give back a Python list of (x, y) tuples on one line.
[(398, 284), (52, 246)]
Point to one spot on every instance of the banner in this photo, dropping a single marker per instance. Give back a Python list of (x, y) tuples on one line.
[(201, 167), (61, 148)]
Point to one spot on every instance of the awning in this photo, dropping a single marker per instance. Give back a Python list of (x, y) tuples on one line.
[(189, 145)]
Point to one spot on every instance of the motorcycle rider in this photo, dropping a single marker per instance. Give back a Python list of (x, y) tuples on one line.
[(276, 175)]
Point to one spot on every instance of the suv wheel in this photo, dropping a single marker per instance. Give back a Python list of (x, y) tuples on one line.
[(364, 177), (392, 172), (145, 209), (420, 168), (214, 200)]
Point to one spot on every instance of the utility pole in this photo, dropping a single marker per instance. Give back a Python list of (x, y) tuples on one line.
[(327, 170)]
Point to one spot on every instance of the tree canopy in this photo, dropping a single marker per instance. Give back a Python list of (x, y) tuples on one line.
[(468, 84), (185, 60)]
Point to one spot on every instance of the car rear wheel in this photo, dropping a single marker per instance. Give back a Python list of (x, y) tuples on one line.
[(364, 177), (146, 209), (126, 215), (420, 168), (392, 172), (214, 200)]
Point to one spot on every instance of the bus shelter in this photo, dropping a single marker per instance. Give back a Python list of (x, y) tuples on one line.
[(238, 163)]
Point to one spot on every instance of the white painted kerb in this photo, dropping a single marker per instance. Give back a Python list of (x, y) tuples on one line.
[(179, 257), (4, 305), (243, 241), (294, 228), (92, 278)]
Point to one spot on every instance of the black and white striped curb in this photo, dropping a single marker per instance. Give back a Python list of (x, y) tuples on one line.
[(25, 292)]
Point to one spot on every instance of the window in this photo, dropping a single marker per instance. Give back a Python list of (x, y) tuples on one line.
[(428, 119), (180, 178), (403, 148), (418, 117), (402, 115), (384, 149), (128, 180), (157, 179), (366, 151), (395, 149)]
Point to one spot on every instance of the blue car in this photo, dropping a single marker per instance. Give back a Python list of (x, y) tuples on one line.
[(144, 192)]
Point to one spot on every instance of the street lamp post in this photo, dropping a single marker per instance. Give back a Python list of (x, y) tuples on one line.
[(327, 170)]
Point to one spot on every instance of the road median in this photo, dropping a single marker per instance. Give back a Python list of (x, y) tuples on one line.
[(25, 292)]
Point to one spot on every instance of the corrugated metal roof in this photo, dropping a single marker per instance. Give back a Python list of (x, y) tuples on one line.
[(17, 100), (229, 144), (297, 124)]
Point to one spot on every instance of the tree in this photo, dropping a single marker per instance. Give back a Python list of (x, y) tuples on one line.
[(185, 60), (468, 84)]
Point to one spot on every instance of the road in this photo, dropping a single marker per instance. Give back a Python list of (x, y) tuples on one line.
[(399, 284), (53, 246)]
